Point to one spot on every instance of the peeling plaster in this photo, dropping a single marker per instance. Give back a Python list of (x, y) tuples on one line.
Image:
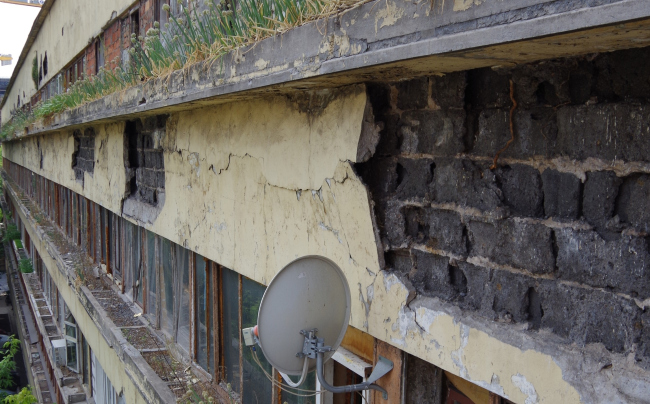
[(248, 212), (526, 387), (388, 15)]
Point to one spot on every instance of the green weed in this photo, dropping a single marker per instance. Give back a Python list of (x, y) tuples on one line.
[(189, 38)]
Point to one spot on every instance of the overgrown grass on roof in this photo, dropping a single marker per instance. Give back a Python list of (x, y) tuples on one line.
[(192, 37)]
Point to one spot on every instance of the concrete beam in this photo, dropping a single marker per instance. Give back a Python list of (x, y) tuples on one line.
[(382, 40)]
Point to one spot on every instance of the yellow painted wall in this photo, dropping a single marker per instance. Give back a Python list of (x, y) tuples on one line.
[(81, 21), (255, 184)]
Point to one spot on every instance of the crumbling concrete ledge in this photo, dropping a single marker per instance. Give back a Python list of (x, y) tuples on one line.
[(141, 384), (383, 39), (451, 337)]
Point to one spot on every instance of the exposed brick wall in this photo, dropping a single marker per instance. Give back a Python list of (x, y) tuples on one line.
[(113, 45), (145, 162), (91, 61), (147, 15), (83, 159), (557, 235), (126, 32)]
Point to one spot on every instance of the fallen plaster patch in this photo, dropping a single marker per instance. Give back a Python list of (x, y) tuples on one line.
[(526, 387), (388, 16)]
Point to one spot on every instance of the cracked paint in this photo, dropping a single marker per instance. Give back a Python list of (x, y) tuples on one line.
[(280, 185), (388, 15)]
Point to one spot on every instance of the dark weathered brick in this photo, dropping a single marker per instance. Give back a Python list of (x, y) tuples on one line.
[(477, 279), (633, 204), (416, 223), (447, 232), (535, 132), (379, 97), (391, 218), (599, 197), (487, 89), (147, 195), (522, 189), (413, 94), (160, 179), (380, 174), (414, 177), (87, 141), (390, 137), (588, 316), (622, 265), (432, 275), (448, 91), (140, 173), (606, 131), (510, 295), (562, 194), (399, 260), (141, 160), (149, 124), (84, 153), (433, 132), (642, 328), (465, 183), (153, 159), (90, 133), (508, 242), (621, 75), (543, 83), (147, 142)]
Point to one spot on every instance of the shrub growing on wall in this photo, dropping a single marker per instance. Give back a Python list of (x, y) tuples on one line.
[(35, 71)]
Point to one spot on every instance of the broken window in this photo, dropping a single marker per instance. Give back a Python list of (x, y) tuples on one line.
[(144, 161)]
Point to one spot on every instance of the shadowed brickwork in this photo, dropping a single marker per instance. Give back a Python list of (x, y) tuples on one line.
[(83, 158), (144, 162), (557, 235)]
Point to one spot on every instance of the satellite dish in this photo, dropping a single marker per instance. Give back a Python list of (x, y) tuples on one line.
[(302, 319), (309, 293)]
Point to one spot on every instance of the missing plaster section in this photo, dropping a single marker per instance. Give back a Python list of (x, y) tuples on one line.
[(83, 157), (144, 162), (144, 165)]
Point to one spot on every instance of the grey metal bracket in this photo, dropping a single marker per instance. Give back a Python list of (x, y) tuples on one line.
[(380, 370), (314, 348)]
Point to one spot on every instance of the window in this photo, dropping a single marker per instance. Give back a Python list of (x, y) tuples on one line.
[(72, 343), (102, 389), (206, 287)]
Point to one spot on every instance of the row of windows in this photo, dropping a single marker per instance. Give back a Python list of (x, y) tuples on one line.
[(171, 284)]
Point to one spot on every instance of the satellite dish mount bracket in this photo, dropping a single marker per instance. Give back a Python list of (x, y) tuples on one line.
[(314, 348)]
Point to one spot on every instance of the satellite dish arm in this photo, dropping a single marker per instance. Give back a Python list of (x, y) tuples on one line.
[(379, 371)]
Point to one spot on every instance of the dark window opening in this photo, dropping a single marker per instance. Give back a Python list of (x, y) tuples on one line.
[(45, 65), (135, 23)]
